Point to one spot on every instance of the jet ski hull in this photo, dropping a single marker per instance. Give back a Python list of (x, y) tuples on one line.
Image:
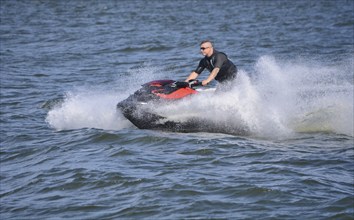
[(138, 109)]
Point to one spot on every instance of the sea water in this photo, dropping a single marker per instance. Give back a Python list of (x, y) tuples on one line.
[(66, 152)]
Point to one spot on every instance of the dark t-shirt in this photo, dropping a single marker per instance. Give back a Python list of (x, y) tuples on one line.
[(227, 70)]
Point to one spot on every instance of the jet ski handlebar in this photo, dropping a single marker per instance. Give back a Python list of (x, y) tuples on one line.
[(194, 83), (191, 84)]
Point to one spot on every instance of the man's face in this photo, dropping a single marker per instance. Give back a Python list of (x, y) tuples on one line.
[(206, 49)]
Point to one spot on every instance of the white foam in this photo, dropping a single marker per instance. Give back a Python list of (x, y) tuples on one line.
[(278, 98), (95, 106), (87, 109)]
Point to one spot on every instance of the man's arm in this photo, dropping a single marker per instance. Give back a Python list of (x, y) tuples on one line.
[(193, 75), (212, 76)]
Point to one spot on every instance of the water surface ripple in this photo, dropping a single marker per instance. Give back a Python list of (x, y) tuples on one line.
[(66, 153)]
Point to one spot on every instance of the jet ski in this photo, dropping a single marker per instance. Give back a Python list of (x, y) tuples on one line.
[(140, 109), (136, 108)]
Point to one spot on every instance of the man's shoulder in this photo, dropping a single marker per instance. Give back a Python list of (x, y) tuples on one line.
[(204, 59), (218, 53), (220, 56)]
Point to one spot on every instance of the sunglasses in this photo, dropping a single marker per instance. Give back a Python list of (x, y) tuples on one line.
[(203, 48)]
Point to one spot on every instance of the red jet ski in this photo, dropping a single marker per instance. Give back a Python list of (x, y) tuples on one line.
[(139, 108), (157, 92)]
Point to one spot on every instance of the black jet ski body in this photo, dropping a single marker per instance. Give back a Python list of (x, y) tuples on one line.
[(137, 107)]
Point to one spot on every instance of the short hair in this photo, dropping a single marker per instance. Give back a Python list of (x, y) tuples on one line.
[(206, 41)]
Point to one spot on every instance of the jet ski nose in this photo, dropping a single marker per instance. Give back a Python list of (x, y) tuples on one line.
[(136, 109)]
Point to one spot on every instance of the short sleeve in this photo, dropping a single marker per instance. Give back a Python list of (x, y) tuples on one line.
[(200, 67), (220, 59)]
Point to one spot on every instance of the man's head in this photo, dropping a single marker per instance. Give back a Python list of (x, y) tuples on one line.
[(206, 48)]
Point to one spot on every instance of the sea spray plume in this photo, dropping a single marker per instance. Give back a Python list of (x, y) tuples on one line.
[(256, 107), (309, 95), (225, 112), (95, 106), (275, 89), (282, 98), (86, 109), (242, 110)]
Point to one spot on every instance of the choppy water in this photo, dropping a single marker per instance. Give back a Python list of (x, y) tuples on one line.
[(67, 153)]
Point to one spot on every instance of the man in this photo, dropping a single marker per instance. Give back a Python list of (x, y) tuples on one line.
[(220, 67)]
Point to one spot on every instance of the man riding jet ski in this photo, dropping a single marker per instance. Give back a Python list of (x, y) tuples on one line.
[(139, 107)]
